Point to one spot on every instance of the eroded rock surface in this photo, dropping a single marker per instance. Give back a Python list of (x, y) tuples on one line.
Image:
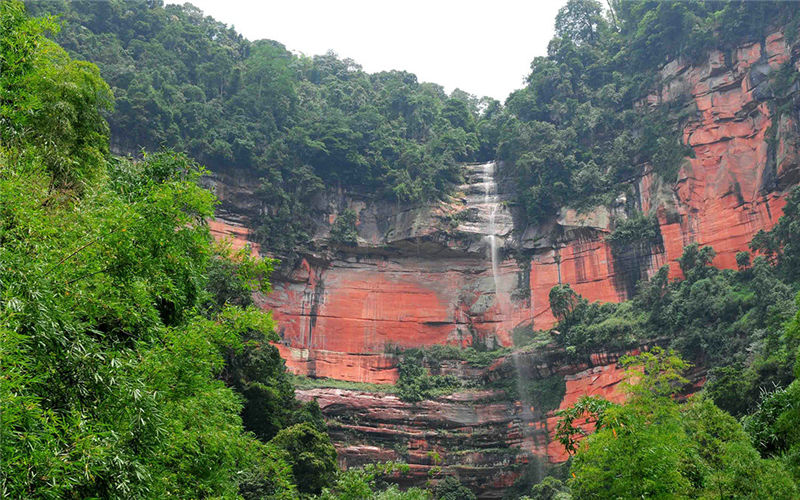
[(480, 436), (431, 275)]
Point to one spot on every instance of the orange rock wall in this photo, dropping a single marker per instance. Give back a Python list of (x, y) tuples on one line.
[(339, 319), (481, 438), (338, 315), (237, 236), (722, 197)]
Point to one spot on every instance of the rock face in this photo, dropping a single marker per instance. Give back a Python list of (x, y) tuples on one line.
[(419, 276), (729, 190), (481, 437), (462, 272)]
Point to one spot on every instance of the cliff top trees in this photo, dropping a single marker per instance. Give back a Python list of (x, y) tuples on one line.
[(598, 66), (190, 83), (580, 21)]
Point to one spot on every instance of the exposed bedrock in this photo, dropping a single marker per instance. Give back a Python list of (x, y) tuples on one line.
[(479, 436), (461, 271), (465, 270)]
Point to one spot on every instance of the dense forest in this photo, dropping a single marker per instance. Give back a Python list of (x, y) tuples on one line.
[(134, 364), (188, 82), (134, 361)]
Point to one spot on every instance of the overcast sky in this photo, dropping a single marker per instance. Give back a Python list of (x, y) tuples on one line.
[(482, 47)]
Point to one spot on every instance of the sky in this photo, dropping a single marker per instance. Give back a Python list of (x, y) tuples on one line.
[(482, 47)]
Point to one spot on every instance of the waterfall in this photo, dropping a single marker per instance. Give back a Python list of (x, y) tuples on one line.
[(490, 219), (491, 201)]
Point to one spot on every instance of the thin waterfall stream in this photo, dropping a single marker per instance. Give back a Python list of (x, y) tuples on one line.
[(491, 201), (494, 238)]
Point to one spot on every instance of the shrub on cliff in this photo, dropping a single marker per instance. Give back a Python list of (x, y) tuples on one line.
[(638, 230), (652, 446), (344, 230), (781, 245), (414, 383)]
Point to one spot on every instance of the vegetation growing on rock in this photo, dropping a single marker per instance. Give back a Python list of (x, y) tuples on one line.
[(135, 363)]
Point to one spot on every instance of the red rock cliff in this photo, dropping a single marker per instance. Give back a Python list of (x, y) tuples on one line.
[(431, 275), (479, 436), (422, 276)]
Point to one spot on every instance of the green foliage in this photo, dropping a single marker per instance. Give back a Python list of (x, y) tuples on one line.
[(660, 376), (781, 245), (110, 367), (636, 230), (123, 329), (310, 454), (581, 21), (743, 474), (344, 230), (589, 410), (303, 382), (774, 424), (450, 488), (550, 488), (414, 383), (563, 301), (368, 483), (731, 387), (544, 393), (270, 478), (233, 277), (475, 355), (654, 447), (50, 104)]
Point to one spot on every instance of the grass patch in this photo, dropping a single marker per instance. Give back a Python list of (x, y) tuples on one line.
[(303, 382)]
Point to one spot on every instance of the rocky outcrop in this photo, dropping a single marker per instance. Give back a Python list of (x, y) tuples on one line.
[(462, 272), (481, 437)]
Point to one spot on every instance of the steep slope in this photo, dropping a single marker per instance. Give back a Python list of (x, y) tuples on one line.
[(432, 274), (427, 274)]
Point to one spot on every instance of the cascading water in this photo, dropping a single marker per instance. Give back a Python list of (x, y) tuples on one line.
[(491, 201), (493, 222), (489, 216)]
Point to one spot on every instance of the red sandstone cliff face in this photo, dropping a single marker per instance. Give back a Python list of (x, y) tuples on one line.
[(731, 188), (481, 437), (422, 276)]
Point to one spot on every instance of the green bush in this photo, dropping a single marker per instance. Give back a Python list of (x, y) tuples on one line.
[(637, 230), (344, 230), (414, 383), (310, 454)]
